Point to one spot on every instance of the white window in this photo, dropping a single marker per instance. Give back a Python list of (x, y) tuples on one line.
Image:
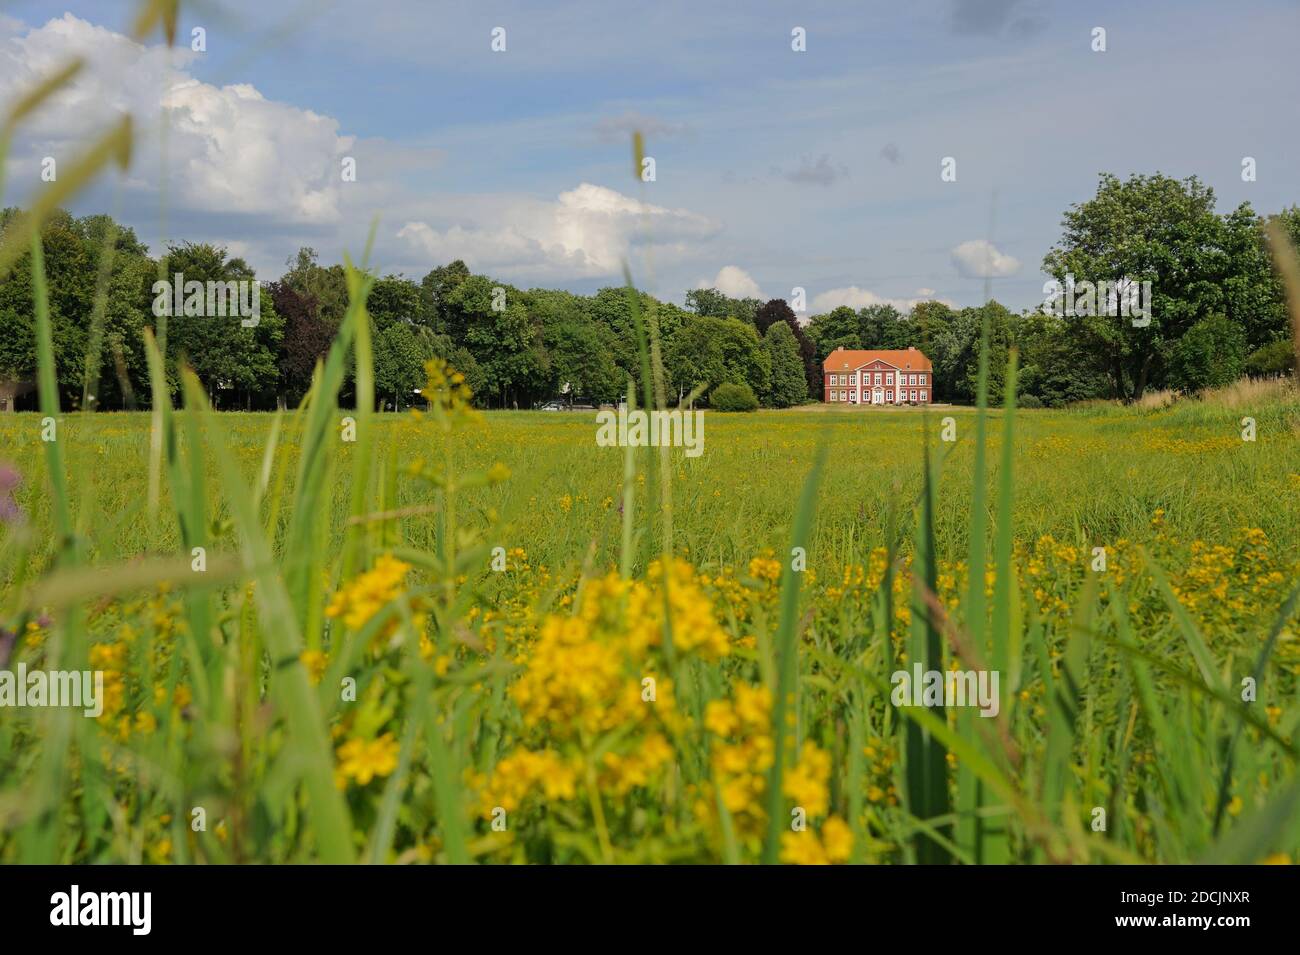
[(889, 377), (922, 381), (922, 394), (914, 396), (889, 396), (877, 377)]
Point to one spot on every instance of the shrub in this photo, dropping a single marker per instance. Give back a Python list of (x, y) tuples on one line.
[(1030, 401), (733, 396), (1210, 354), (1276, 358)]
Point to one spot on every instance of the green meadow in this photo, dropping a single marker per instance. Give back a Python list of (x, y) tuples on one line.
[(432, 642), (1089, 476)]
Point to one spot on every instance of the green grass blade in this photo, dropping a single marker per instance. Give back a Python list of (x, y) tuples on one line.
[(330, 819), (787, 653)]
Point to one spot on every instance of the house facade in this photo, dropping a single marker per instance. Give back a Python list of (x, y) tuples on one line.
[(875, 377)]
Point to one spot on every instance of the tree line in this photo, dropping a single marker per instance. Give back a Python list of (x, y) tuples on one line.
[(1218, 311)]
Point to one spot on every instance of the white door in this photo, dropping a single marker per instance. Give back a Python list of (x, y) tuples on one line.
[(878, 396)]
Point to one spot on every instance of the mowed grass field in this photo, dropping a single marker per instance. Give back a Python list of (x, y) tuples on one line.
[(645, 671)]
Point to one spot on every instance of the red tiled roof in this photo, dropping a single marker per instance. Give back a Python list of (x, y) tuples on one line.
[(848, 359)]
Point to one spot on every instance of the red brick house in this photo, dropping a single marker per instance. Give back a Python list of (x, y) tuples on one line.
[(872, 377)]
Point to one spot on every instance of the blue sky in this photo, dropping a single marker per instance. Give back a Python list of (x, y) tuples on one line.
[(774, 169)]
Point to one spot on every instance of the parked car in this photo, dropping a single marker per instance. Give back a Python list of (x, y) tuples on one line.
[(568, 404)]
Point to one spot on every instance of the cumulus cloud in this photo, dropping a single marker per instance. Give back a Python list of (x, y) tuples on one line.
[(821, 172), (275, 169), (586, 232), (979, 258), (230, 149), (733, 281), (856, 298)]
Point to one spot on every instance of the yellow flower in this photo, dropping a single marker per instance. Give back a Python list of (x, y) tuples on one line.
[(802, 848), (765, 568), (363, 760), (315, 662), (837, 838), (360, 600), (754, 705), (720, 718), (806, 782), (446, 390), (521, 772)]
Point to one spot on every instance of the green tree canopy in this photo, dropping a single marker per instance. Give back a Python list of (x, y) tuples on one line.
[(788, 385)]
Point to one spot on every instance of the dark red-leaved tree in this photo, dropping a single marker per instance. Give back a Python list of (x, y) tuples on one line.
[(307, 338)]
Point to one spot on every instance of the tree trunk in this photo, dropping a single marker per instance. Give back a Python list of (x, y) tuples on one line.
[(1117, 378), (1140, 380)]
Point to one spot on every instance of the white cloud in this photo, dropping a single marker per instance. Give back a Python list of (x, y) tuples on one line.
[(229, 149), (586, 232), (856, 298), (733, 281), (979, 258)]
